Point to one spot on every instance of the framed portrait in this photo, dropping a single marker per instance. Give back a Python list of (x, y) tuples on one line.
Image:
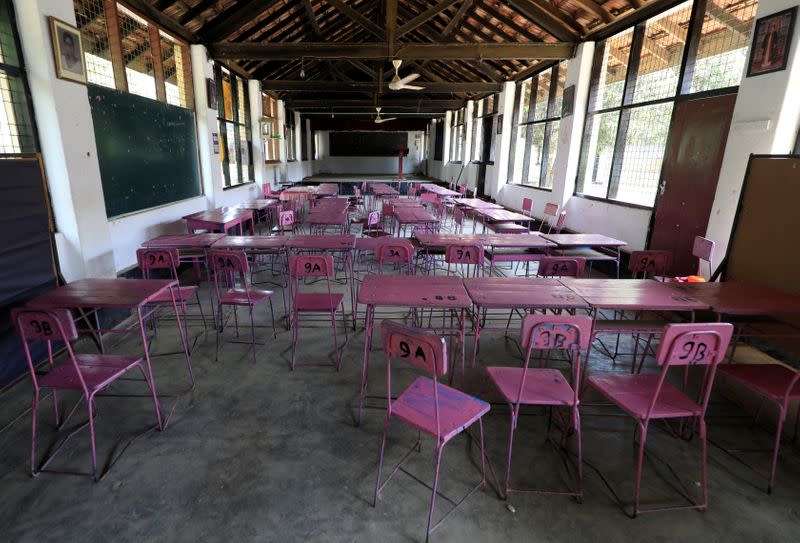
[(500, 124), (772, 37), (568, 102), (68, 51), (211, 92)]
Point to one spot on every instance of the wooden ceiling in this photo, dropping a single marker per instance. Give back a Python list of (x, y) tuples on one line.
[(325, 54)]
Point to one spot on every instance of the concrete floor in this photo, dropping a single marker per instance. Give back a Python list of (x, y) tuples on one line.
[(259, 453)]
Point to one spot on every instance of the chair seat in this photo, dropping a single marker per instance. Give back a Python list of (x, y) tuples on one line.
[(377, 234), (312, 301), (633, 394), (770, 380), (543, 386), (98, 371), (249, 296), (182, 294), (457, 410)]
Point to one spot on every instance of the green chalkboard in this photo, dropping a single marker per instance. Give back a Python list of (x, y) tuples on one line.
[(147, 151)]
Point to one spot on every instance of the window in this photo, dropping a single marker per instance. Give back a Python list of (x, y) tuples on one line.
[(536, 125), (270, 130), (289, 128), (457, 136), (438, 139), (234, 128), (16, 120), (482, 113), (127, 52), (637, 77)]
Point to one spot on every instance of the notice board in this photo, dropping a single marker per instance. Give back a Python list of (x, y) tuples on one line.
[(366, 143), (765, 235), (147, 151), (26, 252)]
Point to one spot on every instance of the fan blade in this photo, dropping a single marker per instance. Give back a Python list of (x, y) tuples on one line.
[(409, 78), (412, 87), (380, 120)]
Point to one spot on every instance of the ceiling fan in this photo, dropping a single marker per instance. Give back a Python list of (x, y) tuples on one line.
[(402, 84), (378, 118)]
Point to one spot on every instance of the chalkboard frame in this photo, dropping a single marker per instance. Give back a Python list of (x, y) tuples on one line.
[(356, 143)]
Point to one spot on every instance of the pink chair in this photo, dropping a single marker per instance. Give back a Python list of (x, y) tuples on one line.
[(169, 260), (268, 193), (396, 255), (88, 374), (550, 211), (776, 384), (562, 218), (462, 189), (465, 256), (286, 222), (458, 220), (703, 249), (427, 198), (649, 264), (561, 266), (231, 270), (427, 406), (544, 386), (648, 397), (374, 226), (328, 302), (527, 207)]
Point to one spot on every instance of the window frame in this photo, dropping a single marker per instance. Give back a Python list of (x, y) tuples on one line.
[(290, 135), (552, 115), (155, 32), (477, 126), (269, 117), (682, 93), (457, 136), (19, 71), (223, 123)]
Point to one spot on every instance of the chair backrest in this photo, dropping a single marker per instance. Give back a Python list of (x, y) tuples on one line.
[(458, 217), (229, 269), (462, 189), (465, 255), (266, 190), (557, 266), (420, 348), (311, 266), (364, 186), (692, 344), (357, 192), (389, 252), (562, 218), (649, 263), (387, 210), (527, 205), (540, 332), (286, 218), (373, 219), (158, 259), (550, 211), (47, 325), (703, 249)]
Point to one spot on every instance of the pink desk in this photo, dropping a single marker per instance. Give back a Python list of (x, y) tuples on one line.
[(516, 293), (133, 294), (439, 190), (476, 203), (183, 241), (327, 190), (415, 292), (416, 216), (220, 220), (493, 215), (589, 246), (320, 221), (260, 207)]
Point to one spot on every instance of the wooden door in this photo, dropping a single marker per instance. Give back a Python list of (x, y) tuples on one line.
[(689, 179), (486, 153)]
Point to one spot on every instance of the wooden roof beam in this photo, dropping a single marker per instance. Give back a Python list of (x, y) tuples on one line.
[(233, 18), (355, 86), (312, 19), (425, 16), (354, 15), (409, 51), (455, 22), (549, 18)]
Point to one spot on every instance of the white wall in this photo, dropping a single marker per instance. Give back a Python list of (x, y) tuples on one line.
[(765, 120), (367, 165)]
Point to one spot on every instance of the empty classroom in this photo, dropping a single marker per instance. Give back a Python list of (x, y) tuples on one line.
[(381, 270)]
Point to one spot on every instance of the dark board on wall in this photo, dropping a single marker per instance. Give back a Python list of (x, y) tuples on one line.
[(147, 151), (367, 143), (26, 253)]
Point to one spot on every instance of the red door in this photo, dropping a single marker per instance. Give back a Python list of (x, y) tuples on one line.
[(689, 182)]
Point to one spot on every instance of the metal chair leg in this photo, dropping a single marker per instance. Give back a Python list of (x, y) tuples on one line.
[(435, 485)]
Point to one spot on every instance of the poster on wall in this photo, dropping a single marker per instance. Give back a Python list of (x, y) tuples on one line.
[(772, 37)]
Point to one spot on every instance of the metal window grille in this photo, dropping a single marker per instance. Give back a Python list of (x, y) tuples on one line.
[(17, 134), (90, 17)]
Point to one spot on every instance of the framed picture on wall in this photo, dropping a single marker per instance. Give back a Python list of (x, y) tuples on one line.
[(211, 92), (67, 51), (500, 124), (772, 37)]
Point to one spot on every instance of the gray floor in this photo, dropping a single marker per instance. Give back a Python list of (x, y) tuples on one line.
[(259, 453)]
